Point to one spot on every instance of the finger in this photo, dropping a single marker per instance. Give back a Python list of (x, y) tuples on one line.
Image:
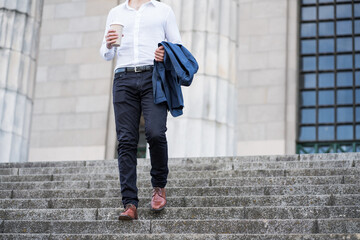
[(161, 48), (112, 35), (159, 59), (159, 55), (111, 30), (112, 38), (110, 41), (160, 52)]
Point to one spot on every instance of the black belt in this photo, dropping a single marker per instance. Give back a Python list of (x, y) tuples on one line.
[(135, 69)]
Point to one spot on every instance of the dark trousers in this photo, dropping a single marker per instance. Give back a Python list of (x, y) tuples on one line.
[(133, 93)]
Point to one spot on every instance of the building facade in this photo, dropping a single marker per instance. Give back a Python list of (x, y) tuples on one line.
[(275, 77), (20, 22)]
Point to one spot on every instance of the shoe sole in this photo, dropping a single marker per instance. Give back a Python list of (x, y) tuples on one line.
[(126, 218), (157, 210)]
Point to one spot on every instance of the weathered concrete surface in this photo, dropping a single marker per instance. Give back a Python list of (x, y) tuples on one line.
[(46, 183), (281, 198), (194, 160), (224, 201), (200, 213), (183, 191), (179, 236)]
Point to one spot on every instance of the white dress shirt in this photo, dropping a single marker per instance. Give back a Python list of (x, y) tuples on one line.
[(153, 23)]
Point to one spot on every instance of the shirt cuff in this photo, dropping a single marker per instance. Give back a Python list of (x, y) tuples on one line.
[(108, 54)]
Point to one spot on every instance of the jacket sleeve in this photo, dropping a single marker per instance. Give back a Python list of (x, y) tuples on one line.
[(107, 54), (172, 33)]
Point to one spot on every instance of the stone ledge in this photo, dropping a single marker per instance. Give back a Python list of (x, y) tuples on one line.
[(285, 226), (199, 201)]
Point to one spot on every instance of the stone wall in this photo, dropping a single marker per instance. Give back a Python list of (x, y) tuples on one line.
[(208, 29), (266, 120), (73, 84), (19, 38)]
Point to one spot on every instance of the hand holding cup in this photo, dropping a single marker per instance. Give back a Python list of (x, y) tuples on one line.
[(111, 38), (114, 36)]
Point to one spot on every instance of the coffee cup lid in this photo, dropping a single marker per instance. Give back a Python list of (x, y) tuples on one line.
[(116, 23)]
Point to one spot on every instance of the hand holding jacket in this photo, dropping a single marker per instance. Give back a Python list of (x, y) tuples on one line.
[(177, 69)]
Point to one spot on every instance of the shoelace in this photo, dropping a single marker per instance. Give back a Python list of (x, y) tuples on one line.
[(128, 207), (157, 191)]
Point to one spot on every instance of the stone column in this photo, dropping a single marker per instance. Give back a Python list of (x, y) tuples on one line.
[(19, 38), (208, 30)]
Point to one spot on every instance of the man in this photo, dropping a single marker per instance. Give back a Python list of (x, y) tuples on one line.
[(146, 23)]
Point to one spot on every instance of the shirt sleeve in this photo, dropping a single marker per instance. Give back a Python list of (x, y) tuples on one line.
[(107, 54), (172, 33)]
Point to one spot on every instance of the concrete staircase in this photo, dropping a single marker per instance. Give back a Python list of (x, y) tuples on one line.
[(264, 197)]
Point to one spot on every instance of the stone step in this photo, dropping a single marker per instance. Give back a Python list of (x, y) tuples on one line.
[(21, 236), (207, 182), (184, 191), (189, 167), (198, 213), (192, 175), (266, 197), (185, 163), (114, 162), (278, 226), (294, 165), (198, 160), (198, 201)]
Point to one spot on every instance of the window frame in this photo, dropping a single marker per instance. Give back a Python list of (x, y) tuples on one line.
[(335, 70)]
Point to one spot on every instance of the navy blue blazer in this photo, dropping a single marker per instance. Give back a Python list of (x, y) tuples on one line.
[(178, 69)]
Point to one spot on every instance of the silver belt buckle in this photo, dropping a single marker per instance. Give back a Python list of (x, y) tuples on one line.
[(137, 70)]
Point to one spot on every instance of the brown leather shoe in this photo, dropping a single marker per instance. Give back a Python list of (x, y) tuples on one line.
[(130, 213), (158, 201)]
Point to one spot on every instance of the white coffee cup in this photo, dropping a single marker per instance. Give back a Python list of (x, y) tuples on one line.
[(118, 27)]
